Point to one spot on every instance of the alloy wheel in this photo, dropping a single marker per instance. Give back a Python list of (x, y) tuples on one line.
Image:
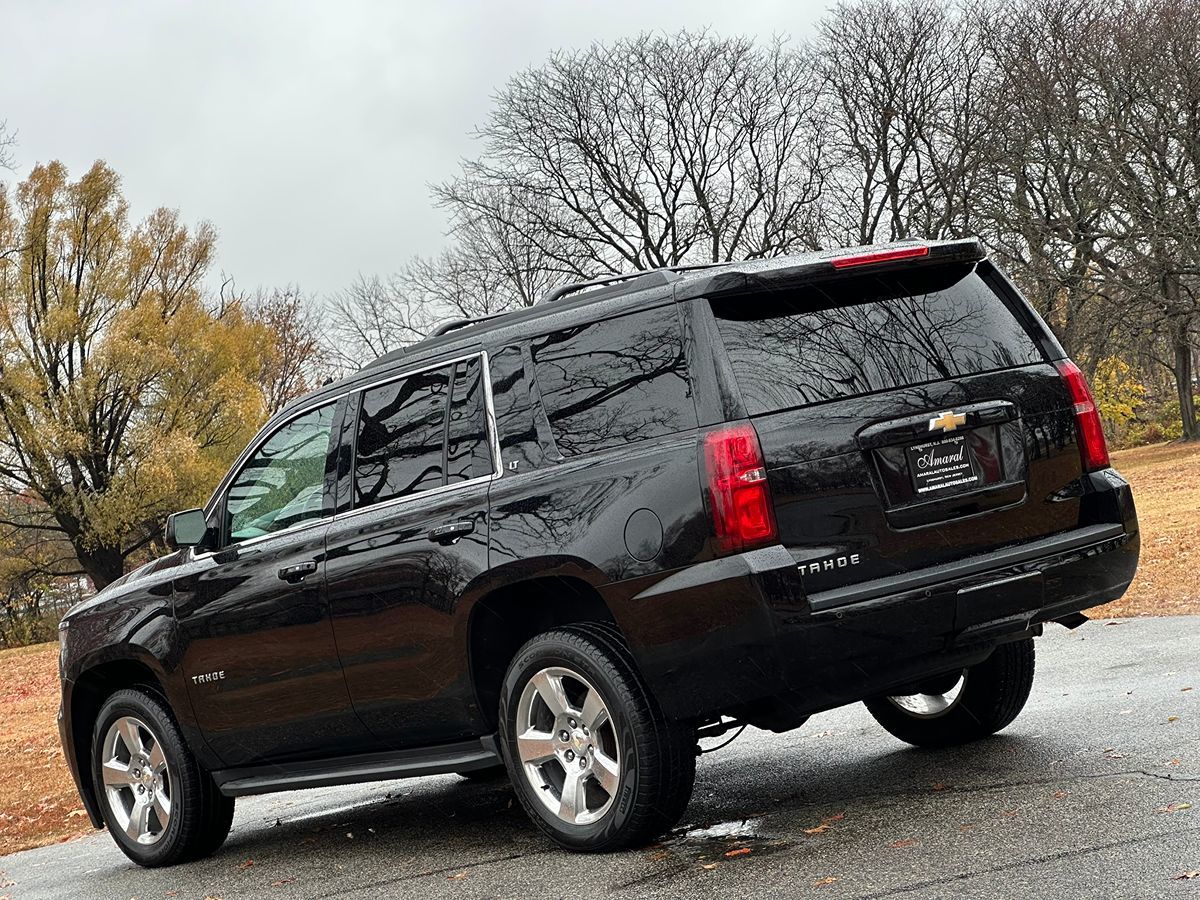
[(932, 705), (137, 780), (568, 746)]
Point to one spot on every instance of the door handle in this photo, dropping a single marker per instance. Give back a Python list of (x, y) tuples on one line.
[(297, 573), (451, 532)]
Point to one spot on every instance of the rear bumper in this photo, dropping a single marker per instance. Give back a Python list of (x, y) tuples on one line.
[(742, 629)]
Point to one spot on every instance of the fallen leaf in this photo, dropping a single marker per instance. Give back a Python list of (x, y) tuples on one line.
[(1177, 806), (938, 786), (1184, 690), (740, 851), (836, 817), (658, 855), (1172, 718), (1114, 755), (902, 844), (1061, 795), (1009, 812), (966, 826), (248, 864), (1187, 876), (822, 882), (457, 876), (282, 881), (708, 865), (75, 813), (820, 829)]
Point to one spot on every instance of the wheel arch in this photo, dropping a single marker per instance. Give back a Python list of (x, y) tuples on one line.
[(90, 689), (506, 617)]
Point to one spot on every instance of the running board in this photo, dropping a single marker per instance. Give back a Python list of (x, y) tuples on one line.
[(464, 756)]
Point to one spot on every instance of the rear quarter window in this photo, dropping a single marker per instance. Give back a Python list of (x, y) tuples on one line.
[(865, 334), (614, 382)]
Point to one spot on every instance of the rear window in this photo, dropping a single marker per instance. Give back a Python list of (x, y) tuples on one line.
[(861, 335), (615, 382)]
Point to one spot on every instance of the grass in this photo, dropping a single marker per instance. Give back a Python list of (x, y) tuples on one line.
[(38, 803), (1166, 487)]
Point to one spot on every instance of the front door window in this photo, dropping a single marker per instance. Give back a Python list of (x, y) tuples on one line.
[(283, 483)]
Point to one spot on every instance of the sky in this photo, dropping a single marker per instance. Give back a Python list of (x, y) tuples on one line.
[(306, 133)]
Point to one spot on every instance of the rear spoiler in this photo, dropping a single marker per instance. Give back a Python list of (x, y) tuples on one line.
[(783, 273)]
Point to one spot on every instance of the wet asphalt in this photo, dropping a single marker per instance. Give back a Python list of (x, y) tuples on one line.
[(1086, 795)]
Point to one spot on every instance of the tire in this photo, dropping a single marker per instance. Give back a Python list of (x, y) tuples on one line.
[(987, 698), (153, 777), (637, 766)]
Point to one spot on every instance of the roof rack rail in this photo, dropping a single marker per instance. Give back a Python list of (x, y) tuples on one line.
[(637, 280), (454, 324)]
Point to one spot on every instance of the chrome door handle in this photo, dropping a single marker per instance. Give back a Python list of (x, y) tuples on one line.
[(451, 532), (297, 573)]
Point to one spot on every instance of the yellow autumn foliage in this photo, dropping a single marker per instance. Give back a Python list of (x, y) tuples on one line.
[(123, 396), (1118, 393)]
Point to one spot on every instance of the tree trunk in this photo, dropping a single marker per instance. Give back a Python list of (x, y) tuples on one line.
[(1183, 383), (103, 565)]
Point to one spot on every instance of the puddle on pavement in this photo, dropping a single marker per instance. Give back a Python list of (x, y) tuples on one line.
[(722, 842)]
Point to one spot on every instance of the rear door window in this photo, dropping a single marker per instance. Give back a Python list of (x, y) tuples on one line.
[(422, 432), (614, 382), (865, 334), (401, 433)]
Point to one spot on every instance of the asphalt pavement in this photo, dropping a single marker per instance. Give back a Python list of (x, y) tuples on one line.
[(1093, 792)]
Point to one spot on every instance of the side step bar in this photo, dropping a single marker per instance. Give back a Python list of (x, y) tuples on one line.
[(464, 756)]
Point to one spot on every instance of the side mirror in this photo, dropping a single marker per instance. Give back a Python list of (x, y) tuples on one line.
[(186, 529)]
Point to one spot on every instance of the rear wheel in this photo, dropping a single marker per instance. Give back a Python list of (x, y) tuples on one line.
[(158, 804), (962, 706), (595, 763)]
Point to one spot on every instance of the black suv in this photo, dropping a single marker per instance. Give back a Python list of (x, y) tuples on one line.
[(573, 539)]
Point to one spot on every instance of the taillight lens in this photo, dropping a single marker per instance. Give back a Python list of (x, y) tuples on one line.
[(1093, 449), (739, 497)]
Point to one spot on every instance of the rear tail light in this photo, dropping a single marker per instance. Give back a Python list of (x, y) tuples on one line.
[(878, 256), (738, 494), (1093, 449)]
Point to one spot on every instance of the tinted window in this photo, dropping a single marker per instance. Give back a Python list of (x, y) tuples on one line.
[(514, 411), (861, 335), (282, 484), (401, 426), (615, 382), (467, 454)]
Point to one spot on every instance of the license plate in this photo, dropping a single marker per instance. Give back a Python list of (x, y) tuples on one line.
[(942, 464)]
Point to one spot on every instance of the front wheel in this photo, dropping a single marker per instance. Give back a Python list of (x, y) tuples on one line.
[(595, 763), (962, 706), (159, 805)]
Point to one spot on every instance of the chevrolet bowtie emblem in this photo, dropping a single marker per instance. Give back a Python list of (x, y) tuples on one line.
[(947, 421)]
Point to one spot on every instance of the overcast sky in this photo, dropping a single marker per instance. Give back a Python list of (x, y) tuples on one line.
[(307, 133)]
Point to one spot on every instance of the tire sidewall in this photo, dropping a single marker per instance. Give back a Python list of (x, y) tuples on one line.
[(134, 703), (551, 652)]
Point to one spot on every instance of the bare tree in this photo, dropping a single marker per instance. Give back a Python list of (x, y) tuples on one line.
[(1150, 67), (7, 141), (650, 152), (909, 144), (372, 317), (1048, 218)]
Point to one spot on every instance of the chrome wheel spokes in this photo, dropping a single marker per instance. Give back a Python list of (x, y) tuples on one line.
[(137, 780), (568, 746)]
